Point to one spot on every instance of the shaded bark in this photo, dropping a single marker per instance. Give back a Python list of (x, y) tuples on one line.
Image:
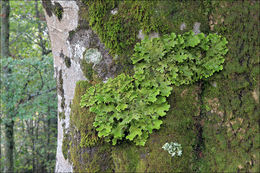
[(9, 145), (5, 28), (9, 123)]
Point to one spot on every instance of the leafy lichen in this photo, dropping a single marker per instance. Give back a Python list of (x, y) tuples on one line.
[(133, 110)]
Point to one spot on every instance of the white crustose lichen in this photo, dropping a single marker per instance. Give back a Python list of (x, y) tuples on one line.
[(173, 148)]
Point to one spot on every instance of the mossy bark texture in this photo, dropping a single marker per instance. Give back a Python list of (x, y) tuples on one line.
[(216, 120)]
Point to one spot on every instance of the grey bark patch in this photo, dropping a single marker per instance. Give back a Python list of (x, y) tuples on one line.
[(85, 40), (183, 26), (196, 28), (214, 84), (140, 35), (152, 35)]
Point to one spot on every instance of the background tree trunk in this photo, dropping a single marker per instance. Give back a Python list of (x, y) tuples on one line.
[(9, 123)]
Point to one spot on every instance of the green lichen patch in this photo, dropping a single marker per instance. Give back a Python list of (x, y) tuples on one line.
[(92, 56)]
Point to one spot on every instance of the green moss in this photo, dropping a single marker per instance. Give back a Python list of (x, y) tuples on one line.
[(231, 124), (62, 105), (60, 83), (55, 9), (188, 12), (88, 161), (81, 118), (58, 10), (60, 89), (87, 69), (65, 145), (61, 115), (87, 151), (88, 140), (67, 62), (119, 32)]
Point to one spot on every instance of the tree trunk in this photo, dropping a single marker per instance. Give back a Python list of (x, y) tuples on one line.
[(5, 28), (1, 143), (215, 120), (9, 146), (9, 123)]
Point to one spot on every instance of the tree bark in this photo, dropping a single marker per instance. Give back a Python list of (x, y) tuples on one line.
[(212, 119), (5, 28), (66, 77), (9, 123)]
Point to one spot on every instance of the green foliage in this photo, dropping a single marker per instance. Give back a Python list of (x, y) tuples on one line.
[(130, 107), (28, 90), (33, 107)]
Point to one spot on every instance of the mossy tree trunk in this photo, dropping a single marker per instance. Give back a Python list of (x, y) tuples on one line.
[(215, 120)]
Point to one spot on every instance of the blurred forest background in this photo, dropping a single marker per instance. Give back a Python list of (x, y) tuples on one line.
[(28, 100)]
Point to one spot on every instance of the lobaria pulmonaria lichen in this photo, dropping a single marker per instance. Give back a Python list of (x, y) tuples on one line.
[(130, 107)]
